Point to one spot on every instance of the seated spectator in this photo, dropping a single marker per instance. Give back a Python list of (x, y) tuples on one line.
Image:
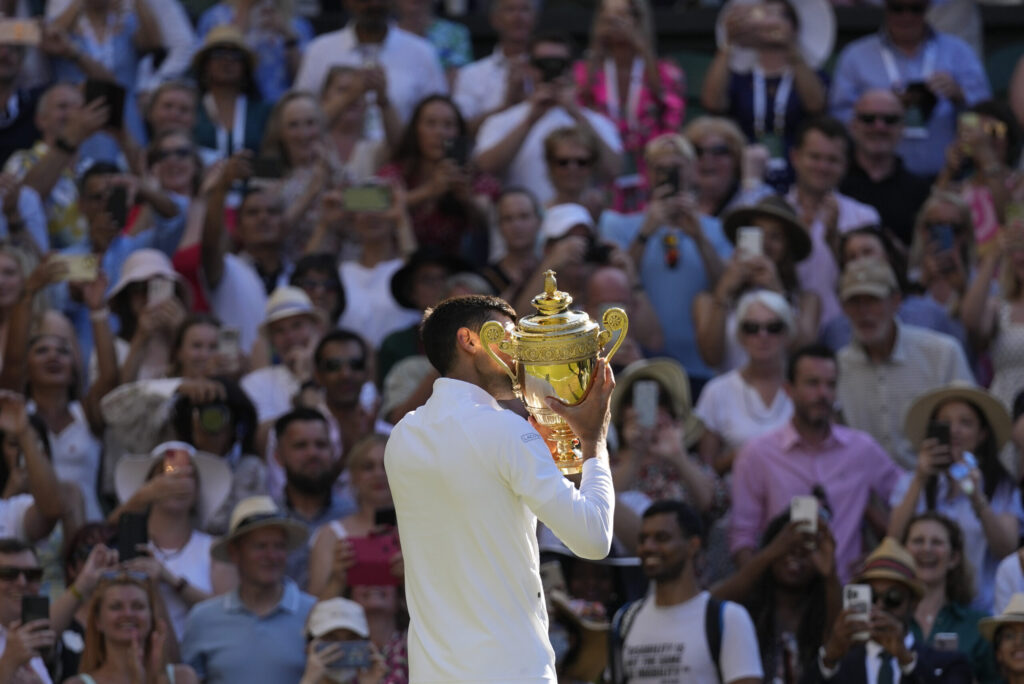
[(343, 369), (406, 64), (876, 174), (125, 637), (791, 589), (179, 490), (1005, 632), (728, 174), (332, 554), (267, 606), (275, 35), (570, 154), (18, 129), (678, 251), (317, 276), (809, 455), (510, 143), (19, 576), (985, 502), (784, 244), (622, 51), (451, 40), (448, 201), (935, 74), (331, 623), (888, 364), (518, 218), (494, 83), (173, 105), (763, 75), (937, 545), (344, 103), (819, 155), (895, 590), (750, 400), (231, 116)]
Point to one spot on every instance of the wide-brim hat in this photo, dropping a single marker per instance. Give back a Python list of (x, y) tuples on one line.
[(669, 374), (915, 424), (287, 301), (1012, 614), (401, 281), (213, 473), (590, 657), (337, 613), (142, 265), (254, 513), (816, 36), (775, 207), (225, 35), (891, 561)]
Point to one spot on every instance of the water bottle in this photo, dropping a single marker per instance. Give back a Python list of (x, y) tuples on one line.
[(960, 471)]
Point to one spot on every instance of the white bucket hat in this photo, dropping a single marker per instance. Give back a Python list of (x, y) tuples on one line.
[(142, 265), (816, 35), (561, 218)]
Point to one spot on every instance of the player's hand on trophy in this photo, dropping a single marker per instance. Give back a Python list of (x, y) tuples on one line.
[(589, 419)]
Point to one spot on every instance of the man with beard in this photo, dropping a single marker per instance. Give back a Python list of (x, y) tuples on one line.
[(469, 481), (665, 636), (810, 455), (304, 451), (341, 366)]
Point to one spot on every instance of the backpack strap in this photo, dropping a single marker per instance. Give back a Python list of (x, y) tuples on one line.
[(621, 624), (714, 624)]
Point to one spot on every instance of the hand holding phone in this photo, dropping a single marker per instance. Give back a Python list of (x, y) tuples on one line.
[(750, 241), (373, 561), (857, 600), (645, 403), (132, 531)]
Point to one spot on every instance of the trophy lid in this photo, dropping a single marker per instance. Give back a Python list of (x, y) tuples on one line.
[(554, 317)]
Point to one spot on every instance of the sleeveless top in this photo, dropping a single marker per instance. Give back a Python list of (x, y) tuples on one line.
[(192, 561), (170, 675)]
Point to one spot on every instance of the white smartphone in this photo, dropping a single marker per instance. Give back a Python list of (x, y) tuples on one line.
[(159, 289), (857, 599), (750, 241), (645, 402), (804, 510), (946, 641), (227, 342)]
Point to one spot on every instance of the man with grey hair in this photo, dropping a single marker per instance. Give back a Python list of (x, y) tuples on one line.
[(876, 174)]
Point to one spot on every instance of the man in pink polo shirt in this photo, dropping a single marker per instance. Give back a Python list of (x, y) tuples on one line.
[(809, 455)]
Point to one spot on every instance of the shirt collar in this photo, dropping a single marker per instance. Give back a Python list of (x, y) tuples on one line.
[(351, 42), (874, 649), (899, 348), (451, 390), (288, 603), (791, 439), (883, 37)]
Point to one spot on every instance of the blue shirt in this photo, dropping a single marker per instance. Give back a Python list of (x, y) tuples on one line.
[(861, 68), (672, 289), (298, 560), (224, 642)]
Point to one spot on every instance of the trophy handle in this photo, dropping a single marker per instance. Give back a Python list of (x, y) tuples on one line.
[(614, 319), (492, 333)]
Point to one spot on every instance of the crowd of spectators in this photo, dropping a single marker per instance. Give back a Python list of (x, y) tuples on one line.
[(220, 231)]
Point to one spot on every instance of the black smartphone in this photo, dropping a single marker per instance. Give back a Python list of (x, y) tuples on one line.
[(34, 608), (457, 149), (597, 253), (385, 516), (112, 93), (939, 430), (117, 205), (352, 655), (132, 530), (551, 67), (266, 167), (667, 176)]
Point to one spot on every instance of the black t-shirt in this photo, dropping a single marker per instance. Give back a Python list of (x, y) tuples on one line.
[(897, 197), (17, 122)]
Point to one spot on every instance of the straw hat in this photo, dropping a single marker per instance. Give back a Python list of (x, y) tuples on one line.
[(287, 301), (775, 207), (254, 513), (561, 218), (671, 377), (213, 473), (337, 613), (590, 657), (816, 37), (915, 425), (142, 265), (890, 561), (225, 35), (1012, 614)]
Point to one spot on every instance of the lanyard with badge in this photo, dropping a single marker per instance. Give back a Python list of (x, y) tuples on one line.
[(629, 182), (102, 52), (916, 119), (771, 139)]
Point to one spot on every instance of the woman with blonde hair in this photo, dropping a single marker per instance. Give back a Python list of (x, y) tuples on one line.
[(123, 639), (623, 79), (725, 174)]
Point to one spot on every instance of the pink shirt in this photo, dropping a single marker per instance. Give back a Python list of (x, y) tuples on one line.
[(772, 469)]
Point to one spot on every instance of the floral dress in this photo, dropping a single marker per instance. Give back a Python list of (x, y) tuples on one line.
[(650, 112)]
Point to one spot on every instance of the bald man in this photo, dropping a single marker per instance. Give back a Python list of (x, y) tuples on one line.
[(876, 174)]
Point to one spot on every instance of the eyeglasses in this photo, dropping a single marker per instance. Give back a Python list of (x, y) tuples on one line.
[(713, 150), (579, 162), (890, 600), (179, 152), (906, 8), (870, 118), (9, 573), (334, 365), (753, 327)]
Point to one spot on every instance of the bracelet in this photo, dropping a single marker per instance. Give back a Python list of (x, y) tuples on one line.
[(99, 315), (64, 146), (76, 593)]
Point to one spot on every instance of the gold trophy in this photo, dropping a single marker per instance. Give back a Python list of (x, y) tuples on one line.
[(555, 353)]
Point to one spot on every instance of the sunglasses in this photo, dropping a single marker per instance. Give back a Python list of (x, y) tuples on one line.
[(578, 162), (905, 8), (10, 574), (887, 119), (179, 152), (754, 328), (713, 150), (336, 364), (890, 600)]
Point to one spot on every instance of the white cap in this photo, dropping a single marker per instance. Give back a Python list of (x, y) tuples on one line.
[(561, 218), (337, 613)]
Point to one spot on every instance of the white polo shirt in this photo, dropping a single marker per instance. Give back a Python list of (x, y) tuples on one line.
[(469, 481), (481, 86)]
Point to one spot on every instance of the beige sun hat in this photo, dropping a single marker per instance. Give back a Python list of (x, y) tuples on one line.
[(254, 513), (225, 35), (337, 613), (1012, 614), (915, 425), (891, 561), (671, 377), (287, 301), (142, 265)]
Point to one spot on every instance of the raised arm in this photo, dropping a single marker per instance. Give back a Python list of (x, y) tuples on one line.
[(46, 508), (214, 241)]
